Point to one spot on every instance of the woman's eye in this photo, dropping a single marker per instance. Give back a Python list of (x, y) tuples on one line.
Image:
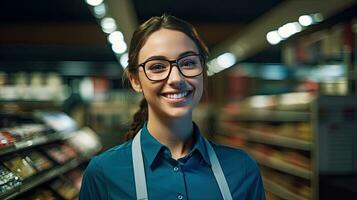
[(157, 67), (188, 63)]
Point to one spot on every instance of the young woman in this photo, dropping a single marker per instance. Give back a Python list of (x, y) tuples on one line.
[(166, 156)]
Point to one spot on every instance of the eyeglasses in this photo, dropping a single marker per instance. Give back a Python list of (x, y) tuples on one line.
[(159, 69)]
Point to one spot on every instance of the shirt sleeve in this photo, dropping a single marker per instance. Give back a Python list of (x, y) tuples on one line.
[(93, 184), (254, 180)]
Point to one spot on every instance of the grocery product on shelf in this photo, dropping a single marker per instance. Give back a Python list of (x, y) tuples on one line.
[(27, 131), (85, 141), (38, 161), (34, 155), (293, 185), (19, 166), (64, 188), (276, 131), (8, 181), (75, 176), (6, 139), (296, 152), (40, 194), (60, 153)]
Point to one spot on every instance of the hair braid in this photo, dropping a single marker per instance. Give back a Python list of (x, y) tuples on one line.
[(139, 119)]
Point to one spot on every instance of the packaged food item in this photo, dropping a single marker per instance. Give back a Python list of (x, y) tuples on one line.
[(58, 121), (56, 154), (60, 153), (27, 131), (6, 139), (40, 194), (75, 176), (38, 161), (8, 180), (64, 188), (85, 141), (295, 185), (20, 167), (68, 151)]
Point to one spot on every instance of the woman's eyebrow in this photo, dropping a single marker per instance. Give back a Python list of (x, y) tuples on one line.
[(165, 58), (186, 53)]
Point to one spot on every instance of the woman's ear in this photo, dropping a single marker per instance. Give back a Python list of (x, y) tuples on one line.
[(135, 82)]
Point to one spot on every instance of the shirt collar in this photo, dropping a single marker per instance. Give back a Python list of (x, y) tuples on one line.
[(152, 148)]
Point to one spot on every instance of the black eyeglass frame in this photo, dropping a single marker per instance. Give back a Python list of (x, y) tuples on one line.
[(171, 62)]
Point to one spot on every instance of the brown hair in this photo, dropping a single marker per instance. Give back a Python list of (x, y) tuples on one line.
[(138, 40)]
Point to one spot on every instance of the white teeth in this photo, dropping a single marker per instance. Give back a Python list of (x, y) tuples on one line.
[(177, 95)]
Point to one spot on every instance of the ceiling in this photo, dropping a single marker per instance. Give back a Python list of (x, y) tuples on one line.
[(212, 11), (66, 29)]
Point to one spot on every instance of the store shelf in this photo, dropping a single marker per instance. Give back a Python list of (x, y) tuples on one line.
[(42, 178), (270, 116), (270, 162), (281, 191), (277, 140), (34, 142), (15, 103), (281, 165)]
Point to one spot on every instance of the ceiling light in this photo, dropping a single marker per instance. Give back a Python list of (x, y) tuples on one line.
[(94, 2), (273, 37), (115, 37), (119, 47), (305, 20), (124, 60), (284, 32), (100, 11), (317, 17), (289, 29), (108, 25), (226, 60)]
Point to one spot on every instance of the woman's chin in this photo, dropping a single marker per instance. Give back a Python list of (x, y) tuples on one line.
[(178, 112)]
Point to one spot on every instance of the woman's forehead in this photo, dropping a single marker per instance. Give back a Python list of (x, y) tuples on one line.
[(166, 43)]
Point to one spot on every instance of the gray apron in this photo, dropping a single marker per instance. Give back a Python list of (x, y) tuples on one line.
[(139, 171)]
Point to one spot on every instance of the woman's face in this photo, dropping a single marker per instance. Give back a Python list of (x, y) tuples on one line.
[(176, 96)]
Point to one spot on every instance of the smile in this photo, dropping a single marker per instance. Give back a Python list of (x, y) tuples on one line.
[(177, 96)]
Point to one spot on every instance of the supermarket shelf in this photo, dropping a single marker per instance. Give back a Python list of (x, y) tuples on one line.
[(15, 104), (271, 162), (272, 116), (277, 140), (281, 191), (34, 142), (41, 178), (33, 101), (281, 165)]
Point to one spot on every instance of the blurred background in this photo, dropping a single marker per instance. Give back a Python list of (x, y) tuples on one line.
[(282, 86)]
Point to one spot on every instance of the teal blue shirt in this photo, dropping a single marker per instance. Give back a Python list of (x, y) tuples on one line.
[(110, 175)]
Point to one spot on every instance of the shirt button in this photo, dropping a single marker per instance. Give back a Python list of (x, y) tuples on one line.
[(176, 169), (179, 197)]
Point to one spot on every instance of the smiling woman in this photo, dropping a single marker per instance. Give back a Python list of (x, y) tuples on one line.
[(166, 157)]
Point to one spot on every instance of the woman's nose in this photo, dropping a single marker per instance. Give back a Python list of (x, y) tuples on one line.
[(175, 76)]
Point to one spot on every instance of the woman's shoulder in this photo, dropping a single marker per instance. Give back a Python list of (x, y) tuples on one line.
[(120, 154), (111, 166)]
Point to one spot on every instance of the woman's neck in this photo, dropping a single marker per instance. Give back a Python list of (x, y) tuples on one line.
[(175, 134)]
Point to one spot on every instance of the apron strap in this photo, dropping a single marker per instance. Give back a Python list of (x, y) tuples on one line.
[(218, 172), (139, 170)]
